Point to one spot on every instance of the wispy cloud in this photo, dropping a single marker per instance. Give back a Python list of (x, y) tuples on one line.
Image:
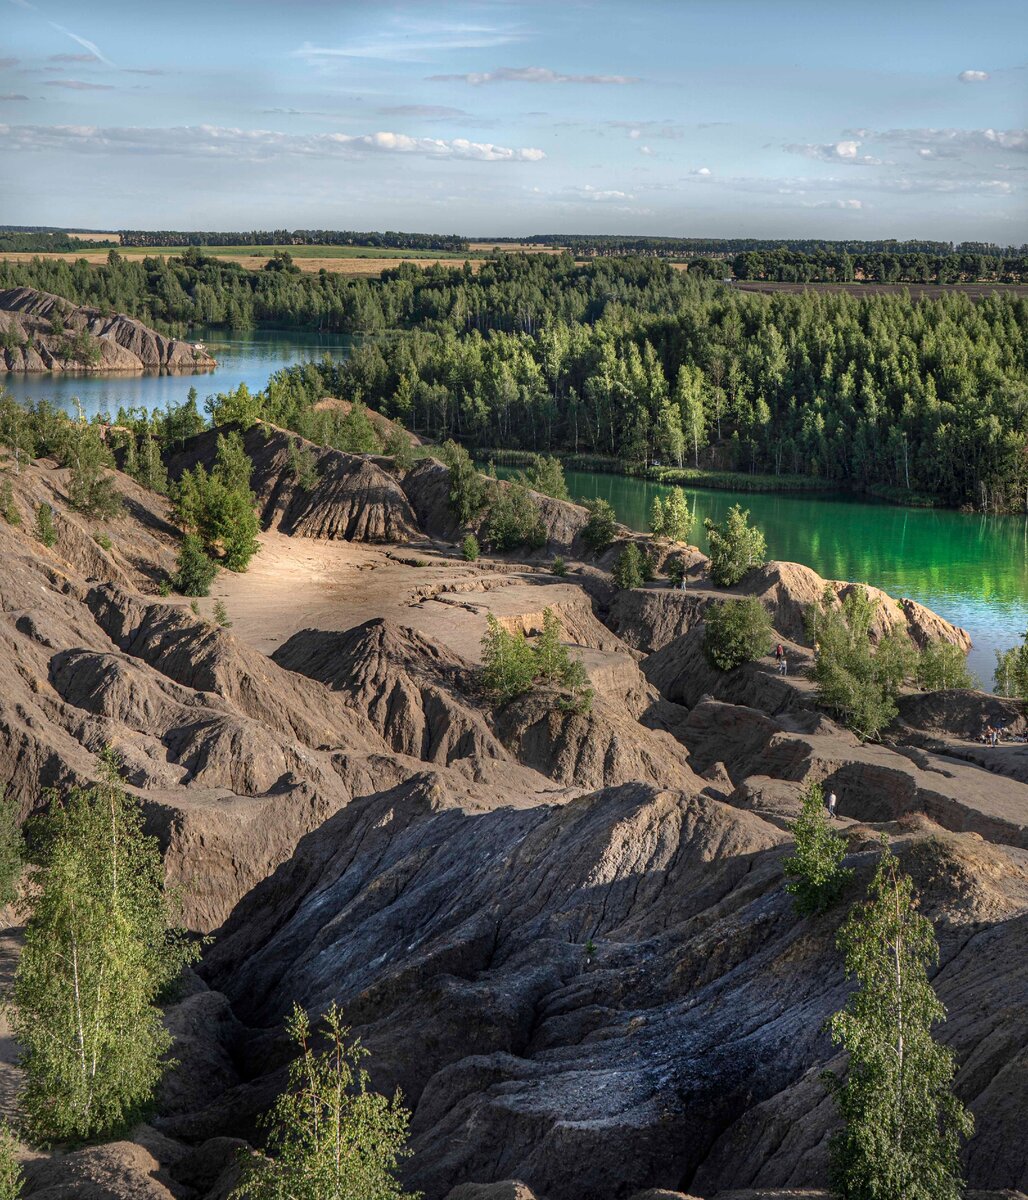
[(410, 40), (80, 85), (8, 62), (530, 75), (72, 58), (649, 129), (8, 96), (898, 185), (85, 43), (211, 141), (425, 112), (973, 76)]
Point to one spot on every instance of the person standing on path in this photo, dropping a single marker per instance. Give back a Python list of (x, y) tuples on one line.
[(831, 805)]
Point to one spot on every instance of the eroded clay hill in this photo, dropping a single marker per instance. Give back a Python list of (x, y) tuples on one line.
[(564, 935), (47, 333)]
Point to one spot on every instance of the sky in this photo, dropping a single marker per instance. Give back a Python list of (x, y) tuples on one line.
[(688, 118)]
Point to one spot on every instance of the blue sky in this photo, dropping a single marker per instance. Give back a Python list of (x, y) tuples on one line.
[(713, 118)]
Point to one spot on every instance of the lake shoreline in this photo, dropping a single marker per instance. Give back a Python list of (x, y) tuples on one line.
[(721, 481)]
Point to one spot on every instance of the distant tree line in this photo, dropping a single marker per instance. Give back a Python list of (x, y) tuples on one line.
[(45, 242), (295, 237), (882, 266), (728, 247)]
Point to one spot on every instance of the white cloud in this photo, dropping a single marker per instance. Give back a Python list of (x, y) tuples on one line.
[(647, 150), (704, 172), (602, 195), (837, 204), (211, 141), (845, 151), (5, 96), (967, 140), (973, 76), (530, 75)]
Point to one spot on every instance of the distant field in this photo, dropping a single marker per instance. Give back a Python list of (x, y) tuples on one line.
[(511, 247), (343, 260), (95, 237)]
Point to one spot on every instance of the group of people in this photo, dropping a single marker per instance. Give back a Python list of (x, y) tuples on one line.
[(990, 734)]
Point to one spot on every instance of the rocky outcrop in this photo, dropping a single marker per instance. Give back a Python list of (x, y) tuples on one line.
[(418, 695), (55, 335), (651, 617), (427, 486), (349, 497), (601, 747)]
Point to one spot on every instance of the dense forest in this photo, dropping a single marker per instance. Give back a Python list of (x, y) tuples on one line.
[(632, 359)]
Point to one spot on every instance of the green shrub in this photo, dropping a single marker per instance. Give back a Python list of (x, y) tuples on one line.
[(195, 571), (514, 519), (8, 508), (469, 548), (601, 528), (103, 541), (856, 681), (508, 662), (467, 485), (672, 518), (674, 569), (328, 1134), (91, 487), (815, 872), (1011, 677), (164, 588), (546, 475), (303, 465), (942, 665), (45, 530), (559, 567), (735, 547), (736, 631), (628, 570)]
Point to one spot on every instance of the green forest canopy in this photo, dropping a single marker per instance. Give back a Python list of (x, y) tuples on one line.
[(618, 357)]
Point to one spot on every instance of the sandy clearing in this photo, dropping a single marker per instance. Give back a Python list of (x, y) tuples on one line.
[(303, 583)]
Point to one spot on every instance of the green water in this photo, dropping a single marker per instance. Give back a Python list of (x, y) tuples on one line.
[(973, 570)]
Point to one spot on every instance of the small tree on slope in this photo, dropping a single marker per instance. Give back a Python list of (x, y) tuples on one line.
[(98, 952), (815, 872), (902, 1123), (328, 1134)]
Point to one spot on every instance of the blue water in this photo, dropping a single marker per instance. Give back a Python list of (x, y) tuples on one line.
[(243, 357)]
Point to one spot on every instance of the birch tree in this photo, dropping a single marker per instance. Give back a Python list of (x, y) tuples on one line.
[(902, 1122), (98, 953), (329, 1136)]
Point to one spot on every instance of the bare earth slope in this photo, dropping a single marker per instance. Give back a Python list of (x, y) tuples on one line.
[(564, 935), (47, 327)]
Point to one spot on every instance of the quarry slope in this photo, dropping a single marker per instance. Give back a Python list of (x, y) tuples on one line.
[(564, 935)]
